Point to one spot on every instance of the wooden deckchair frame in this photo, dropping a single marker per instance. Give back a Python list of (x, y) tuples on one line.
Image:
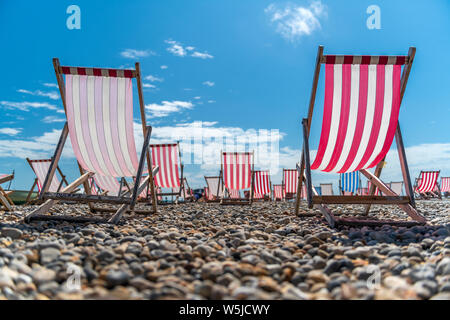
[(217, 198), (241, 201), (406, 203), (36, 180), (126, 203), (184, 185), (5, 200)]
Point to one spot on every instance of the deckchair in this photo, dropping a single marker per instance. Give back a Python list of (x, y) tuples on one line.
[(362, 98), (99, 109), (40, 169), (278, 192), (327, 189), (236, 174), (427, 184), (349, 183), (170, 175), (5, 200), (377, 190), (234, 194), (215, 188), (187, 191), (290, 177), (363, 191), (397, 187), (445, 186), (262, 185)]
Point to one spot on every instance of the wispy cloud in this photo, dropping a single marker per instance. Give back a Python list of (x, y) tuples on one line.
[(52, 119), (208, 83), (177, 49), (163, 67), (148, 85), (153, 78), (25, 105), (134, 54), (294, 22), (10, 131), (50, 85), (52, 94), (167, 107)]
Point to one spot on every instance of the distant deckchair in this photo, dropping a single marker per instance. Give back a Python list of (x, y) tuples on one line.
[(208, 196), (188, 194), (363, 191), (427, 184), (5, 200), (236, 174), (290, 178), (215, 188), (278, 192), (445, 186), (397, 187), (170, 175), (360, 119), (349, 183), (40, 169), (99, 110), (234, 194), (262, 185), (327, 189)]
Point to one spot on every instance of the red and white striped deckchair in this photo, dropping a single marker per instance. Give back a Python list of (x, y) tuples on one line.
[(5, 200), (98, 104), (209, 197), (327, 189), (109, 185), (40, 169), (362, 98), (363, 191), (377, 190), (445, 185), (427, 184), (170, 175), (290, 178), (262, 184), (236, 174), (215, 188), (234, 194), (278, 192)]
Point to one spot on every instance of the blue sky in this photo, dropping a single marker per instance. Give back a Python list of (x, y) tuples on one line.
[(227, 64)]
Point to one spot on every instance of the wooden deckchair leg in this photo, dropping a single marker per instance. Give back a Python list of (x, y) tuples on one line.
[(55, 160), (307, 164), (372, 188), (31, 191), (253, 177), (411, 211), (4, 200), (404, 165), (49, 203)]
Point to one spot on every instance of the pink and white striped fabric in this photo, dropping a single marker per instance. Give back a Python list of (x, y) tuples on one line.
[(361, 108), (107, 183), (209, 196), (40, 168), (94, 189), (278, 192), (234, 194), (237, 170), (100, 119), (290, 179), (445, 184), (166, 157), (427, 181), (262, 184)]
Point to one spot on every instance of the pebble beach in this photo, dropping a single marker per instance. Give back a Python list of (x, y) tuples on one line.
[(208, 251)]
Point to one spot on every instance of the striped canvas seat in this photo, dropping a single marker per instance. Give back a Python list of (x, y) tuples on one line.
[(349, 182), (40, 169), (362, 98), (327, 189), (290, 178), (215, 188), (262, 184), (236, 173), (397, 187), (98, 105), (445, 184), (108, 184), (278, 191), (427, 181)]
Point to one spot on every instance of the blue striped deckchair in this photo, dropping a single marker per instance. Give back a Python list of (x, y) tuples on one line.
[(349, 182)]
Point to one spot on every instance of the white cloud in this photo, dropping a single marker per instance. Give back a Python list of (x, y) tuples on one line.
[(50, 85), (153, 79), (52, 119), (10, 131), (211, 101), (197, 98), (134, 54), (167, 107), (209, 83), (25, 105), (177, 49), (163, 67), (293, 22), (52, 94), (148, 85)]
